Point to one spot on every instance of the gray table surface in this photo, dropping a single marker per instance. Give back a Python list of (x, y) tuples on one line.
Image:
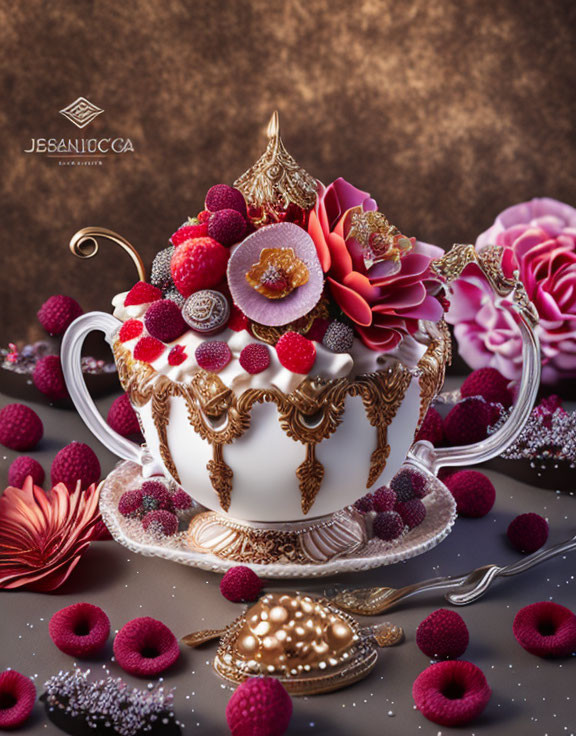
[(531, 696)]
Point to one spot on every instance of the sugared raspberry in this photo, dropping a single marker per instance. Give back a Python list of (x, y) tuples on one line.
[(177, 355), (384, 499), (18, 695), (238, 320), (155, 496), (432, 428), (443, 635), (23, 467), (131, 329), (528, 532), (223, 197), (164, 320), (295, 352), (160, 274), (79, 630), (240, 584), (57, 313), (145, 647), (388, 525), (473, 492), (176, 296), (488, 383), (75, 462), (49, 379), (122, 417), (181, 500), (338, 337), (260, 706), (198, 264), (255, 358), (318, 329), (203, 216), (408, 484), (468, 422), (213, 356), (148, 349), (130, 504), (227, 227), (365, 504), (187, 232), (20, 427), (161, 522), (413, 512), (142, 293), (546, 629)]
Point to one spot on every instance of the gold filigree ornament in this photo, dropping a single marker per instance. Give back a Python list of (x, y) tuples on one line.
[(379, 240), (276, 180), (84, 244), (306, 643), (278, 273)]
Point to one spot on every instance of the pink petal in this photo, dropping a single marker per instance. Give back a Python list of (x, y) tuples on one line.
[(351, 303)]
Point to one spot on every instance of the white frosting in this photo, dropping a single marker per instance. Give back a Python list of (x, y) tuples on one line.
[(359, 361)]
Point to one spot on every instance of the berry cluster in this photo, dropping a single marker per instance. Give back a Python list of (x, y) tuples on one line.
[(155, 506), (397, 509)]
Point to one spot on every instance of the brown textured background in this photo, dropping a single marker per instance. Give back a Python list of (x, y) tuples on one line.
[(446, 111)]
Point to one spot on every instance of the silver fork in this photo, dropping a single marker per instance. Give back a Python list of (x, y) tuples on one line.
[(460, 590)]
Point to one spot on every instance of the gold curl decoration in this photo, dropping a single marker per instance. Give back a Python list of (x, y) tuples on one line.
[(84, 244)]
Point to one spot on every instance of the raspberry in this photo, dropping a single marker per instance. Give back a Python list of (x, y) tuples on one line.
[(155, 497), (413, 512), (365, 504), (443, 635), (295, 352), (223, 197), (164, 321), (488, 383), (23, 467), (161, 522), (408, 484), (198, 264), (432, 428), (79, 630), (49, 379), (255, 358), (546, 629), (338, 337), (468, 422), (203, 216), (384, 499), (388, 525), (160, 275), (130, 504), (18, 695), (260, 706), (187, 232), (57, 313), (473, 492), (318, 329), (213, 356), (131, 329), (238, 320), (177, 355), (20, 427), (75, 462), (122, 417), (528, 532), (240, 584), (181, 500), (227, 227), (142, 293), (148, 349)]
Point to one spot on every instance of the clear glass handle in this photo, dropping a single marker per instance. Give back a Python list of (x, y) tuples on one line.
[(72, 368), (510, 290)]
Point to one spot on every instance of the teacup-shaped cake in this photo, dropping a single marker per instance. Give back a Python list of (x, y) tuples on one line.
[(286, 348)]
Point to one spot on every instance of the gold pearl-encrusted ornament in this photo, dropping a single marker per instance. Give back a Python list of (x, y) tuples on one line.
[(308, 644)]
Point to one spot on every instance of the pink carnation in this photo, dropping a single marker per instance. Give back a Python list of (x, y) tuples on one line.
[(539, 240)]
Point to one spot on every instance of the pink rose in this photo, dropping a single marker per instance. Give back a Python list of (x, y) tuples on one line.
[(539, 240)]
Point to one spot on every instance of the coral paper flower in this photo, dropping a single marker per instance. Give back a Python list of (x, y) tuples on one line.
[(44, 535), (539, 240), (385, 298)]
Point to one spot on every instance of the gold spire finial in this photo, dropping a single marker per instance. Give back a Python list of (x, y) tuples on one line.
[(276, 180)]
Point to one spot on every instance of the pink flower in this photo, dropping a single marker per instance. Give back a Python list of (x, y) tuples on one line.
[(539, 240), (386, 298), (44, 535)]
